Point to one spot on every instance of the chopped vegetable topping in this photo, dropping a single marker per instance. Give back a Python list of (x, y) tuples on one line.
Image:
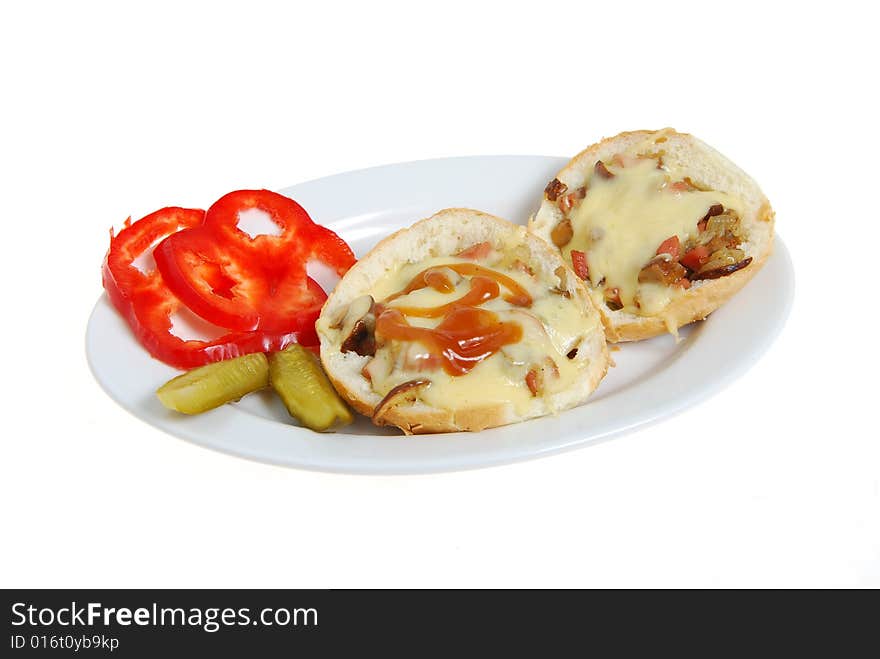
[(612, 299), (579, 264), (554, 189), (694, 258), (602, 170), (671, 246)]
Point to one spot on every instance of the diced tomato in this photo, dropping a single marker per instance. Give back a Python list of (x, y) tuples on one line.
[(476, 252), (247, 283), (522, 266), (579, 264), (694, 258), (680, 186), (532, 381), (671, 246), (569, 201), (147, 305)]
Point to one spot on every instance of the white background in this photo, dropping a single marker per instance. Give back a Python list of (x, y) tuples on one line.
[(109, 112)]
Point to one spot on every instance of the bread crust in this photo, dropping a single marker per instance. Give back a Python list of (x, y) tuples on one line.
[(445, 234), (708, 166)]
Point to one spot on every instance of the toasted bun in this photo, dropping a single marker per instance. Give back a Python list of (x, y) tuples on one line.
[(704, 164), (445, 234)]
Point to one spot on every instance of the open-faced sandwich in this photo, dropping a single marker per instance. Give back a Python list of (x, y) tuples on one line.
[(463, 321), (662, 228)]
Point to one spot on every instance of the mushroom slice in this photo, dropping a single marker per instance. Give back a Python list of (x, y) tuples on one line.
[(601, 170), (562, 233), (723, 271), (612, 299), (402, 393), (358, 326), (662, 271)]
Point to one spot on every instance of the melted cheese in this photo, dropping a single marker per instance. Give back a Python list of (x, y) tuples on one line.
[(492, 381), (654, 298), (622, 221), (552, 326), (562, 325)]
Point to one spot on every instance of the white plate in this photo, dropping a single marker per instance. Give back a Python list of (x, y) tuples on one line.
[(653, 379)]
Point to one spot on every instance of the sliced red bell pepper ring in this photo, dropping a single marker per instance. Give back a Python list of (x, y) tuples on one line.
[(148, 306), (299, 234), (289, 216), (210, 277), (241, 282), (120, 277)]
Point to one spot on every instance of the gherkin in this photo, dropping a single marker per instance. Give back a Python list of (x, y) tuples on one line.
[(210, 386), (296, 375)]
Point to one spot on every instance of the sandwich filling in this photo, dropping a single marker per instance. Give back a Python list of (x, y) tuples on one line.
[(479, 328), (640, 232)]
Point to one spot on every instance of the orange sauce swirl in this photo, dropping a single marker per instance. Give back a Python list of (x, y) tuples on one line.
[(463, 339), (467, 334), (482, 290), (434, 278)]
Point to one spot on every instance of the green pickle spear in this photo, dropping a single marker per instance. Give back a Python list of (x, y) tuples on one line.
[(296, 375), (210, 386)]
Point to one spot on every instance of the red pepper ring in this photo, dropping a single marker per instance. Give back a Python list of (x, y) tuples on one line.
[(214, 280), (231, 288), (299, 234), (244, 283), (330, 249), (223, 217), (147, 305), (137, 238)]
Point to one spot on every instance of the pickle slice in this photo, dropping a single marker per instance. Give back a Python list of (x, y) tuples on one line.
[(296, 374), (210, 386)]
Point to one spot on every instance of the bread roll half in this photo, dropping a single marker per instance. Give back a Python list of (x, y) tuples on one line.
[(664, 229), (463, 321)]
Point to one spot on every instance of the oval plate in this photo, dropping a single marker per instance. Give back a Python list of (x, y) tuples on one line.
[(652, 380)]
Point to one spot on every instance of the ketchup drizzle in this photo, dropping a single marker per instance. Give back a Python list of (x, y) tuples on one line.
[(467, 334)]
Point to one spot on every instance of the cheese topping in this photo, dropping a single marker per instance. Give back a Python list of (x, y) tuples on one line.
[(540, 329), (622, 220)]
